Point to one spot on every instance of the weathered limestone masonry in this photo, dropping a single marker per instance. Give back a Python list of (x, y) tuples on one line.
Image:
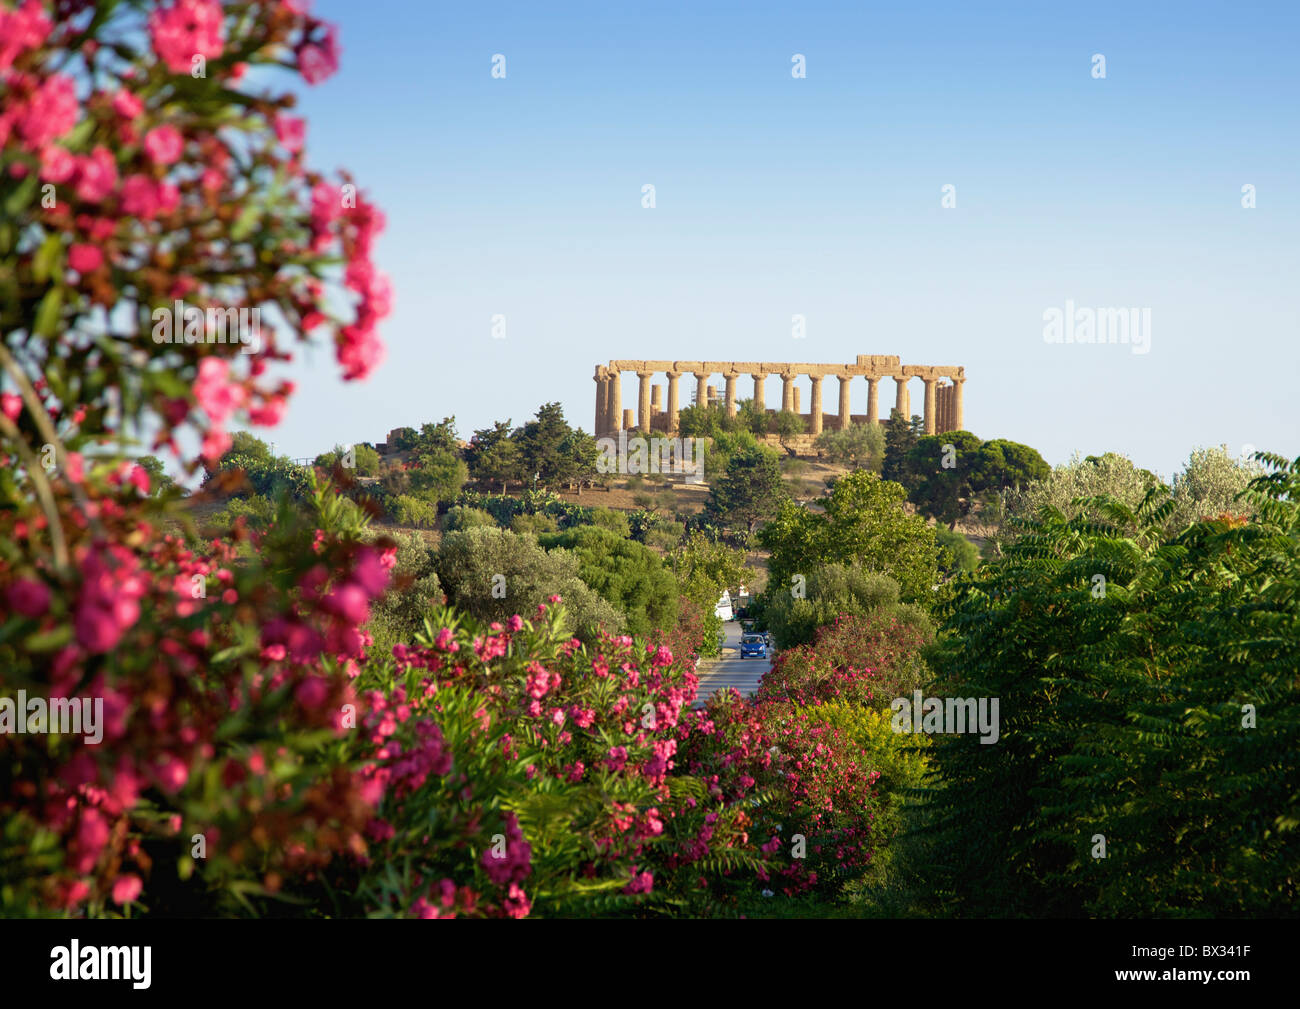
[(942, 410)]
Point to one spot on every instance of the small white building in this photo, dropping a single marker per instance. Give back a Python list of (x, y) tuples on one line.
[(723, 609)]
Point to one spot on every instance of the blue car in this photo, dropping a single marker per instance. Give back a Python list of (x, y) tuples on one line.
[(753, 646)]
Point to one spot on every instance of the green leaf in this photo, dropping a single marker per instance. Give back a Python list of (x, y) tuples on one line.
[(21, 196), (244, 224), (48, 641), (47, 315), (46, 260)]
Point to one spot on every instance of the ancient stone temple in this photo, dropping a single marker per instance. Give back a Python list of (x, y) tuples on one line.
[(943, 391)]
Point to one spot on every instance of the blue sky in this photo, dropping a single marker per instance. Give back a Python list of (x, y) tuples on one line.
[(821, 196)]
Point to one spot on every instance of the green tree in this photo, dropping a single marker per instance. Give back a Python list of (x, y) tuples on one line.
[(493, 456), (1003, 465), (626, 574), (864, 521), (856, 445), (1211, 484), (899, 441), (941, 467), (787, 425), (752, 418), (1069, 487), (364, 459), (246, 446), (493, 574), (749, 491), (398, 614), (697, 421), (436, 438), (439, 475), (1131, 664), (704, 569), (608, 518), (552, 452)]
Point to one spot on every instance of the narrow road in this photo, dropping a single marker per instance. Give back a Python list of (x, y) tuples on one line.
[(731, 670)]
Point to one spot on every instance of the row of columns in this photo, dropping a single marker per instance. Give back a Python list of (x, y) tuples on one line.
[(942, 411)]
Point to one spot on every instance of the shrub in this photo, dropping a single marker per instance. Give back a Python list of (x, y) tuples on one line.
[(868, 659), (493, 574), (222, 672), (959, 553), (834, 591), (811, 794), (398, 615), (533, 524), (608, 518), (626, 574), (464, 517), (863, 521), (856, 445), (411, 511)]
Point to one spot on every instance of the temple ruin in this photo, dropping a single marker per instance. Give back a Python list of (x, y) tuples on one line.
[(942, 410)]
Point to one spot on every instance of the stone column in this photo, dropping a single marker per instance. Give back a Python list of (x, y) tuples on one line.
[(941, 409), (643, 401), (787, 392), (602, 401), (846, 415), (614, 401), (701, 388), (958, 416), (873, 400), (629, 422), (759, 380), (656, 399), (673, 403), (815, 404), (731, 377), (796, 400), (904, 403), (929, 405)]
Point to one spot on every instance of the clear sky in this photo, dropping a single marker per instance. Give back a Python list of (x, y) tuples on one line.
[(821, 196)]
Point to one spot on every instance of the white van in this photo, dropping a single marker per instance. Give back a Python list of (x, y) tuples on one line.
[(723, 609)]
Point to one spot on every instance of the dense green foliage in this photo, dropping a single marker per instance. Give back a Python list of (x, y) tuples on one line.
[(835, 590), (628, 575), (863, 521), (958, 553), (750, 490), (553, 453), (493, 574), (1149, 697), (858, 445)]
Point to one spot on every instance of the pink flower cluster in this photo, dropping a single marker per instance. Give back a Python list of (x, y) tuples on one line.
[(187, 29), (22, 30), (516, 862), (109, 604)]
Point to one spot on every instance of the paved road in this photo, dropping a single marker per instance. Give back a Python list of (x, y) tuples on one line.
[(731, 670)]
